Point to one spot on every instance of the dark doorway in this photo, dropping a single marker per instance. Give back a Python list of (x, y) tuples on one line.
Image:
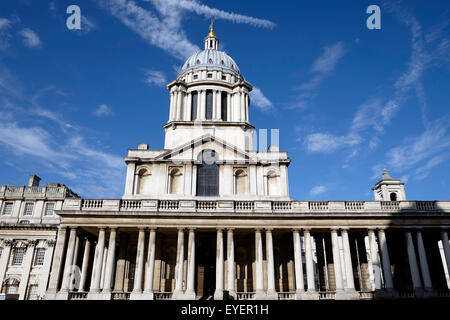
[(206, 265)]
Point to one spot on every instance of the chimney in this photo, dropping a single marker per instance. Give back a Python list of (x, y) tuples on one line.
[(34, 181), (143, 146)]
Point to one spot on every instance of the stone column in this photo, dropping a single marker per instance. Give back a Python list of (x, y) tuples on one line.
[(374, 259), (413, 262), (337, 262), (423, 263), (242, 104), (218, 293), (129, 183), (311, 284), (219, 105), (84, 267), (69, 259), (260, 293), (445, 247), (229, 118), (139, 270), (178, 293), (148, 288), (4, 259), (57, 264), (97, 268), (27, 262), (202, 105), (298, 266), (386, 262), (350, 292), (214, 106), (188, 115), (231, 264), (172, 105), (190, 293), (271, 292), (179, 104), (110, 262)]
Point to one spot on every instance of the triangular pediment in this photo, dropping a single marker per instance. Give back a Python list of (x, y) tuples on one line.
[(191, 149)]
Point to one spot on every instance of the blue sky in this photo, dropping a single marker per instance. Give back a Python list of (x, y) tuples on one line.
[(348, 101)]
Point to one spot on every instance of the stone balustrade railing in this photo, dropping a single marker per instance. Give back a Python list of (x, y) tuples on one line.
[(245, 295), (38, 192), (162, 295), (259, 206)]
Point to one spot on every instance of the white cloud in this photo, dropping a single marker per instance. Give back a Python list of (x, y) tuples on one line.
[(156, 78), (201, 9), (327, 143), (30, 38), (317, 190), (4, 23), (260, 100), (87, 24), (166, 31), (103, 110), (321, 68)]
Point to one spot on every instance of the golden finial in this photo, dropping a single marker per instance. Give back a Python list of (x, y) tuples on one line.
[(211, 30)]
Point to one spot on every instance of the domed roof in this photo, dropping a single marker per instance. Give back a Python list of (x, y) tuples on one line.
[(210, 59)]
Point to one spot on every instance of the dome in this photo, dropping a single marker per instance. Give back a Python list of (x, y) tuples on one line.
[(210, 59)]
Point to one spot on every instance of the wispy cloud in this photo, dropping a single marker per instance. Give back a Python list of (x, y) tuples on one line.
[(259, 100), (4, 23), (317, 190), (327, 143), (321, 68), (103, 110), (155, 78), (5, 35), (166, 31), (30, 38)]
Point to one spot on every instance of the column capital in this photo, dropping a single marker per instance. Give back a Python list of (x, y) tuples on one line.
[(373, 229), (102, 228), (335, 229), (306, 229), (269, 229), (152, 228), (230, 229), (115, 228), (192, 229), (180, 229), (258, 229), (219, 229), (345, 229)]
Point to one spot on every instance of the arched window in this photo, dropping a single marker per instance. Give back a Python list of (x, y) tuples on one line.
[(273, 187), (393, 196), (224, 106), (143, 185), (175, 181), (194, 105), (208, 174), (240, 181), (11, 286), (209, 104)]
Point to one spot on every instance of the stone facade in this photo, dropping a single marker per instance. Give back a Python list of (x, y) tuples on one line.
[(208, 217)]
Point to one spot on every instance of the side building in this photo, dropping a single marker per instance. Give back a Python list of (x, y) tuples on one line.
[(28, 229)]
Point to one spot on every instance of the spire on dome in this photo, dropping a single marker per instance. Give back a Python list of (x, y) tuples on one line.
[(211, 41)]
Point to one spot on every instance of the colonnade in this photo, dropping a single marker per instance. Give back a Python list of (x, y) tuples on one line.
[(304, 258)]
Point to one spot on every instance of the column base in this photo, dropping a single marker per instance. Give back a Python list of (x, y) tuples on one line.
[(271, 295), (50, 295), (386, 294), (178, 295), (190, 295), (142, 296), (347, 295), (307, 295), (62, 295), (260, 295), (99, 296), (218, 295)]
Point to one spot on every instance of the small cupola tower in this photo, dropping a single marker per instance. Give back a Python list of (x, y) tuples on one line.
[(211, 41), (389, 189)]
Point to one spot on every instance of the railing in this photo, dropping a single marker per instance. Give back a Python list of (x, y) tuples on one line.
[(425, 205), (34, 189), (354, 205), (318, 205), (363, 295), (206, 205), (78, 295), (443, 293), (130, 204), (244, 205), (286, 295), (169, 204), (327, 295), (406, 294), (390, 205), (162, 295), (245, 295), (281, 205), (92, 204), (39, 191), (121, 296)]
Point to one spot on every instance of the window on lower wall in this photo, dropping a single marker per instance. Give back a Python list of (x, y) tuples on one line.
[(49, 209), (208, 174), (175, 181), (7, 209), (18, 254), (39, 257), (209, 104), (240, 181), (32, 292), (11, 286), (28, 209)]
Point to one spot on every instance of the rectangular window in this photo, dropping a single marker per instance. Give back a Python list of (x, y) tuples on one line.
[(32, 293), (195, 76), (18, 256), (209, 75), (194, 105), (7, 210), (49, 209), (224, 106), (209, 104), (39, 257), (12, 289), (28, 209), (224, 77)]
